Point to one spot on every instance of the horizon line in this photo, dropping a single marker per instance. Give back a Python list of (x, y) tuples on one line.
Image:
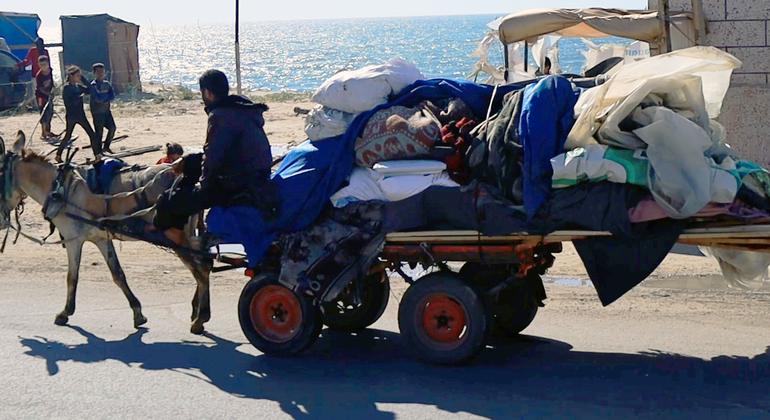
[(305, 19)]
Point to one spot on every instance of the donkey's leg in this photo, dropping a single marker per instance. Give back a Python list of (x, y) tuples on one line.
[(111, 257), (201, 311), (74, 251)]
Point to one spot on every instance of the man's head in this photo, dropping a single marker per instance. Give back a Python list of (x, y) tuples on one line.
[(214, 86), (73, 74), (547, 66), (39, 44), (98, 70), (174, 151), (42, 61)]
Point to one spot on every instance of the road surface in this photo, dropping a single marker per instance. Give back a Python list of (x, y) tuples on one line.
[(655, 353)]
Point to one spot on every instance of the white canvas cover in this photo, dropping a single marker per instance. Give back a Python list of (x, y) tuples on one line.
[(585, 23), (697, 78)]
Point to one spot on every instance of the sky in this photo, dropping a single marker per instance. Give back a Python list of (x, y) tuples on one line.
[(186, 12)]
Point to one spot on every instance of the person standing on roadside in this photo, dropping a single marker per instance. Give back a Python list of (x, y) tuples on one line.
[(43, 93), (33, 56), (75, 114), (102, 95)]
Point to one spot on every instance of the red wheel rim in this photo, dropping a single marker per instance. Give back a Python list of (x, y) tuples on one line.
[(444, 320), (276, 313)]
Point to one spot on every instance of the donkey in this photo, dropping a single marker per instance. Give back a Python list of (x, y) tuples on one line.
[(33, 176)]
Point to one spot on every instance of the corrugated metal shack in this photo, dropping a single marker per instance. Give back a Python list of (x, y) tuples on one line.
[(103, 38)]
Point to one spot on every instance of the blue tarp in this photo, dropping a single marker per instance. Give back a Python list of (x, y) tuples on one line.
[(315, 170), (19, 29)]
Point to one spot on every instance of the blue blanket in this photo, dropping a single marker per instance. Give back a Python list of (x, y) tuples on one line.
[(315, 170), (547, 116)]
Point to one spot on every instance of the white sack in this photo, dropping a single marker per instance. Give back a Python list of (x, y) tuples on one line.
[(362, 186), (356, 91), (397, 188), (322, 122), (678, 75)]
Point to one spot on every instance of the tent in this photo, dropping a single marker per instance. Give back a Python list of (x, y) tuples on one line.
[(89, 39), (14, 83), (19, 31)]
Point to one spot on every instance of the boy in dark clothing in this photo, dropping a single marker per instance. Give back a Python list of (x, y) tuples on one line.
[(73, 103), (43, 91), (236, 161), (102, 94)]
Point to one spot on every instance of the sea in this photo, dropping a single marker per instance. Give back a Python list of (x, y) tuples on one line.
[(297, 56)]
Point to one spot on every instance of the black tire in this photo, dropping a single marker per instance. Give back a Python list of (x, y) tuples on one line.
[(276, 320), (343, 315), (461, 321), (515, 307)]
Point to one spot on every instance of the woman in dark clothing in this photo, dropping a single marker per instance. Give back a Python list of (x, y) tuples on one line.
[(73, 103)]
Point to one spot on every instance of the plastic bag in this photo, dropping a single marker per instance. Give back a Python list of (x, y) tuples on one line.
[(741, 269)]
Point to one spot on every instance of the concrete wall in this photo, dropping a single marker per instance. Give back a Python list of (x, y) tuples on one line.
[(742, 28)]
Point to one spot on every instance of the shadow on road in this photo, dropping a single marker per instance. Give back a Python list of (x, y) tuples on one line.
[(347, 375)]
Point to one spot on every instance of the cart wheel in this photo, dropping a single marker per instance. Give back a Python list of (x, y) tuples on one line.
[(515, 307), (514, 311), (344, 315), (442, 319), (276, 320)]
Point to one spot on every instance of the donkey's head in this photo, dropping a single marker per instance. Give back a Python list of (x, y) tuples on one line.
[(10, 195)]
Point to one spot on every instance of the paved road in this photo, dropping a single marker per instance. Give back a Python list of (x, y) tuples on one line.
[(577, 359)]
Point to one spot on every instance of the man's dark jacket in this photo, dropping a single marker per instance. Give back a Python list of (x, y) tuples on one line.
[(236, 155)]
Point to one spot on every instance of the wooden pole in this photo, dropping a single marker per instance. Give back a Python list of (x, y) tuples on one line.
[(237, 49), (700, 22), (665, 44)]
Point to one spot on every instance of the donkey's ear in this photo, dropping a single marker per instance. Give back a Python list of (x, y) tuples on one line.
[(21, 142)]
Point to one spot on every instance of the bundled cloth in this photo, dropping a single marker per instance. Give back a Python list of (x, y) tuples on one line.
[(356, 91), (397, 133), (392, 181), (324, 122)]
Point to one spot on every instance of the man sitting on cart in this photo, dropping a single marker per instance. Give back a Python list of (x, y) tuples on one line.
[(236, 161)]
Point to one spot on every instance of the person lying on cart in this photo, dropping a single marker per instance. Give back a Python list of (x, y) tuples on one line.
[(236, 161)]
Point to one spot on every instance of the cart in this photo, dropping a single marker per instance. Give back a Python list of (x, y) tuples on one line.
[(445, 316)]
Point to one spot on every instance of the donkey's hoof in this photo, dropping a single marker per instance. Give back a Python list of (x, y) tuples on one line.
[(138, 322), (197, 329), (61, 320)]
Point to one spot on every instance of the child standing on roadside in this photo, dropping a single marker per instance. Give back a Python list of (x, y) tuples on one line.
[(43, 93), (73, 102), (102, 94)]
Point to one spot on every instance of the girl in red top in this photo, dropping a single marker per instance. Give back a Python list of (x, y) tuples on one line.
[(33, 55), (173, 152)]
